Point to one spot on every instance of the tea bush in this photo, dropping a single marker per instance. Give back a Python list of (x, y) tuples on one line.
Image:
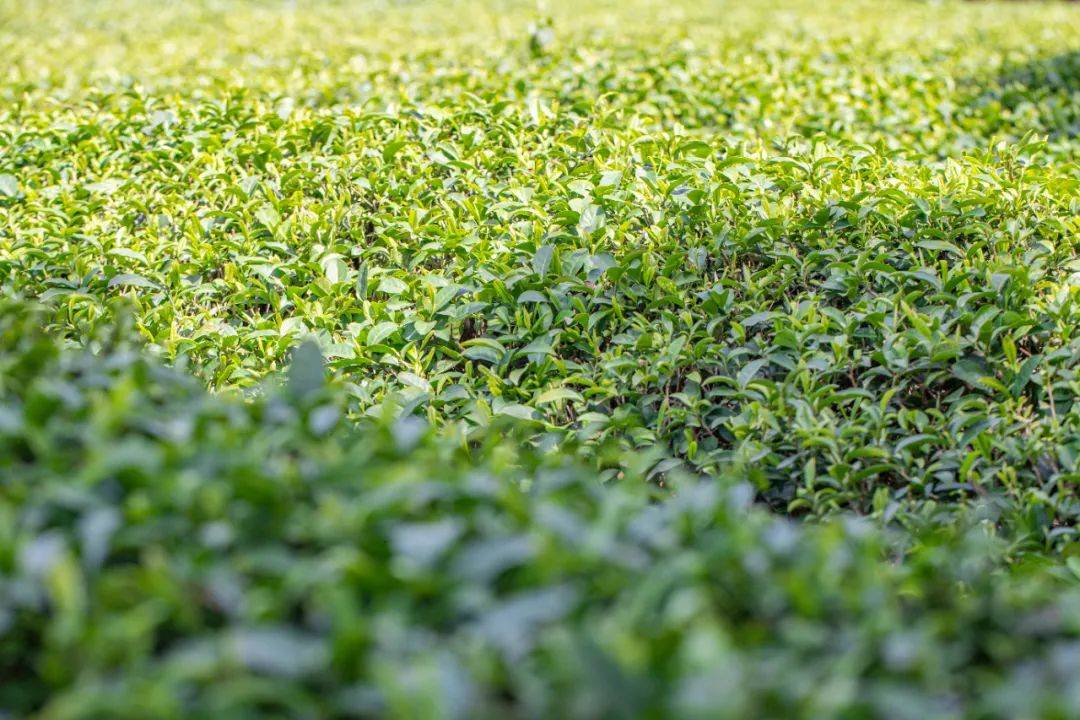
[(476, 358), (833, 244), (167, 553)]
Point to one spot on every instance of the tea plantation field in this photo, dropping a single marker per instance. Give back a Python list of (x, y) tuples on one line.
[(499, 359)]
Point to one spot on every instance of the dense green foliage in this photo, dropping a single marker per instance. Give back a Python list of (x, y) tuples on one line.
[(203, 557), (422, 357), (822, 245)]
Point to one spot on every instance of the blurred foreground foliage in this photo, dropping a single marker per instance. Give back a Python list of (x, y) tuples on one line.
[(168, 553)]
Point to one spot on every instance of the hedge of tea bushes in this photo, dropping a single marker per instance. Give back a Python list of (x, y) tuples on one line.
[(487, 359), (830, 244), (169, 553)]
